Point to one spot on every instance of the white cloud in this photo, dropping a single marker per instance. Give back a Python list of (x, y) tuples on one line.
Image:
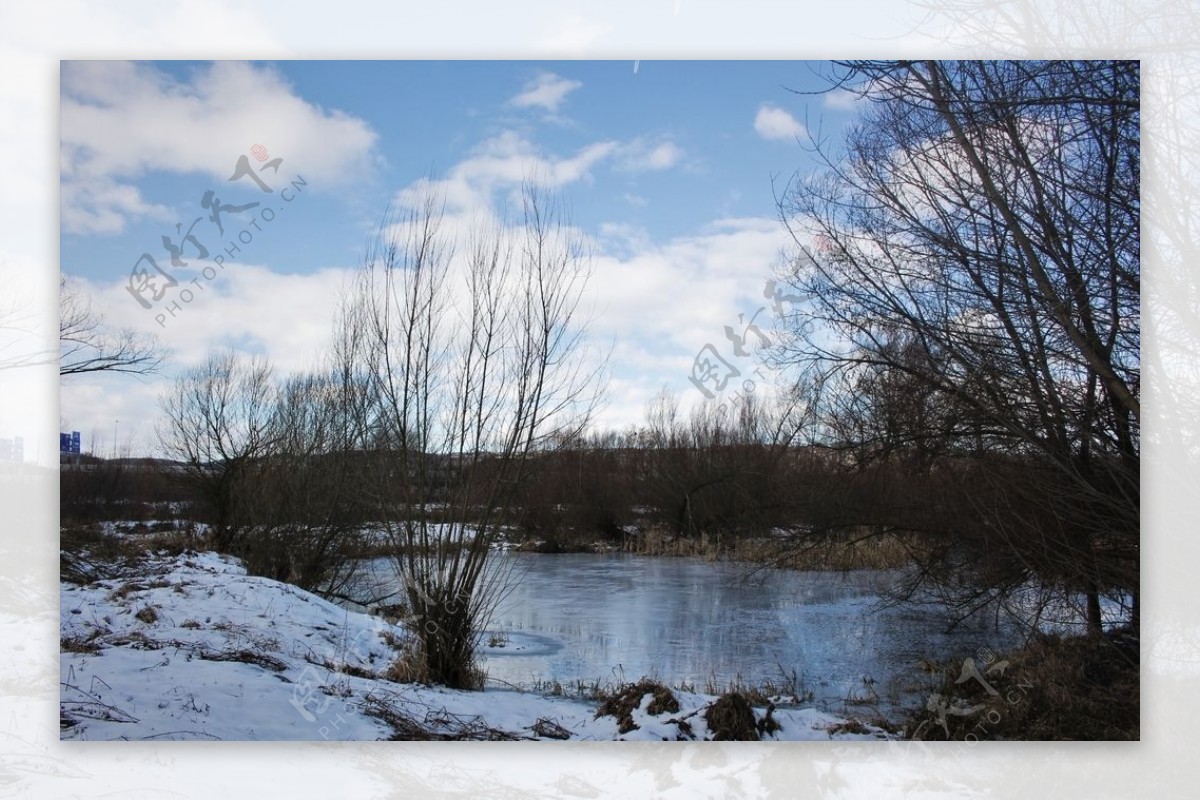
[(498, 166), (680, 294), (841, 99), (96, 204), (121, 120), (288, 318), (638, 156), (621, 238), (504, 162), (772, 122), (547, 91), (658, 303)]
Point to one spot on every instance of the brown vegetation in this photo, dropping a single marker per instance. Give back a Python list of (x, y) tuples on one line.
[(622, 703), (1075, 688), (731, 717)]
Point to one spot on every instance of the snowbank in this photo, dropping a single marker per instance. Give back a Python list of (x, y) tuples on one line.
[(192, 648)]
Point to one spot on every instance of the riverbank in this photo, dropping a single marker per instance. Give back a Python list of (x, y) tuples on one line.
[(186, 646), (783, 549)]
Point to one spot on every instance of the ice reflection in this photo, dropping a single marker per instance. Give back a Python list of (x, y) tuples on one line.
[(620, 617)]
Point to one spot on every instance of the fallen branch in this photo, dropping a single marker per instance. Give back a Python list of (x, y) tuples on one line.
[(544, 727), (92, 709)]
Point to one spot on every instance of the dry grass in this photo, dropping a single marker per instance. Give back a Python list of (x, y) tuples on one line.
[(437, 725), (848, 727), (788, 689), (857, 550), (87, 553), (659, 541), (1077, 688), (731, 717), (580, 689), (851, 551), (80, 645), (408, 667), (550, 730), (626, 699), (246, 655), (137, 640), (131, 587)]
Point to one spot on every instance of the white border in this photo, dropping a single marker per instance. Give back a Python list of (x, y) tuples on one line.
[(35, 35)]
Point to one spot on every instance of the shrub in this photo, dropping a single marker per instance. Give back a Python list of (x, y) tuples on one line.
[(1075, 688), (626, 699), (731, 717)]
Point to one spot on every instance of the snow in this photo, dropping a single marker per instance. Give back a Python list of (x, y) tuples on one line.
[(135, 528), (193, 648)]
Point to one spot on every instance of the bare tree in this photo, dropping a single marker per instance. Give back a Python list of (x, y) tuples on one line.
[(974, 255), (470, 350), (302, 507), (218, 419), (720, 472), (278, 465), (89, 345), (20, 345)]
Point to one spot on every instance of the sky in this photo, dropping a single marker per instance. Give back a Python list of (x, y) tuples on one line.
[(269, 179)]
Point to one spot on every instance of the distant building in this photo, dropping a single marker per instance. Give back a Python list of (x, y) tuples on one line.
[(12, 450), (69, 443)]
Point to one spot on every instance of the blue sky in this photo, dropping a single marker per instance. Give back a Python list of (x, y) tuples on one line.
[(667, 168)]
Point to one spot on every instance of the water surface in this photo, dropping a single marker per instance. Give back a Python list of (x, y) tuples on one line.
[(617, 617)]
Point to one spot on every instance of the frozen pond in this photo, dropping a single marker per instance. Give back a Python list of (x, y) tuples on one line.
[(586, 617), (611, 618)]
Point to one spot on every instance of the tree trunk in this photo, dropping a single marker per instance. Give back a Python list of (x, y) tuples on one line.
[(1094, 622)]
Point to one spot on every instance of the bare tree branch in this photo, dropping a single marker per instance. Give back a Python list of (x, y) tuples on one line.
[(88, 345)]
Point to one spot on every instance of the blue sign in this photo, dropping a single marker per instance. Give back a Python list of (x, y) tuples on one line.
[(68, 443), (74, 442)]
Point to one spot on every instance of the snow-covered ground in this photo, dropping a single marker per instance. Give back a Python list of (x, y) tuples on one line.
[(189, 647)]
